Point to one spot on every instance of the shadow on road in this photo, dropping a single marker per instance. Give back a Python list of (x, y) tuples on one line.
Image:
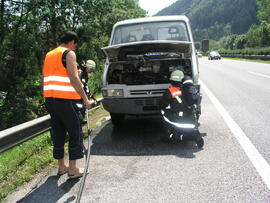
[(50, 191), (138, 137)]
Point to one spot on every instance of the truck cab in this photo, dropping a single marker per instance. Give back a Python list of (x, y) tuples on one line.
[(140, 57)]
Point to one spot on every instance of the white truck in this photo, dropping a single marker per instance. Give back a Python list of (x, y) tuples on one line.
[(140, 57)]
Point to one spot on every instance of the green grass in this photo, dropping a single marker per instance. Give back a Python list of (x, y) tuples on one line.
[(252, 60), (99, 95), (20, 164)]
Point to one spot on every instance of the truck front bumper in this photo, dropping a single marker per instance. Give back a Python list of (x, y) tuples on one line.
[(135, 106)]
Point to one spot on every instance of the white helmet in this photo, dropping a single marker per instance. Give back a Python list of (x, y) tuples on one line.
[(177, 76), (90, 64)]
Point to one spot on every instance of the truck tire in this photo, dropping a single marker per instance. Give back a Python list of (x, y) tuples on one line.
[(117, 119)]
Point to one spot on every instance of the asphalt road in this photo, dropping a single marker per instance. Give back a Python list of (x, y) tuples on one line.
[(132, 164), (244, 90)]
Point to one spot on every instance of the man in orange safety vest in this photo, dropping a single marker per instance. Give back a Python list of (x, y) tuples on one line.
[(62, 88)]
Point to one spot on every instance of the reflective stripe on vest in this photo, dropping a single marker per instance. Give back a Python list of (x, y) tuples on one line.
[(56, 82), (175, 91)]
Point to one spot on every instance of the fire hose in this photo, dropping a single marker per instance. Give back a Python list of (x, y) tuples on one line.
[(87, 159)]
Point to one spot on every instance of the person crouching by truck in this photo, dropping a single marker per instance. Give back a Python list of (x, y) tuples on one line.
[(179, 106), (84, 70), (62, 88)]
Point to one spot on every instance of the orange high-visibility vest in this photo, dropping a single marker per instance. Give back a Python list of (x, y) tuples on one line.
[(56, 82), (175, 91)]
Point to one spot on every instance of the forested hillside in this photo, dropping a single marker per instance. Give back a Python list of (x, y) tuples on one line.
[(28, 29), (213, 19)]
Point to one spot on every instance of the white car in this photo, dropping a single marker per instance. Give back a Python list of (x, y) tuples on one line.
[(214, 55), (199, 54)]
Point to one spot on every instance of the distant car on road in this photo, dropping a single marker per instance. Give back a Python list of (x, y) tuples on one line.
[(214, 55), (199, 54)]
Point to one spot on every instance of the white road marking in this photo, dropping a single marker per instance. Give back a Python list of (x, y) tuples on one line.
[(254, 156), (259, 74)]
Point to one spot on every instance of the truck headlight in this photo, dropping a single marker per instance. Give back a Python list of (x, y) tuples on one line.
[(113, 93)]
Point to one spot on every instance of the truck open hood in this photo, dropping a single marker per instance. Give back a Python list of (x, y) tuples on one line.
[(119, 51)]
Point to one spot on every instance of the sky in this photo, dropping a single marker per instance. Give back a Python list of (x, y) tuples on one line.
[(153, 6)]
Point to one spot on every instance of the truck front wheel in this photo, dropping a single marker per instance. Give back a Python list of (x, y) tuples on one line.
[(117, 119)]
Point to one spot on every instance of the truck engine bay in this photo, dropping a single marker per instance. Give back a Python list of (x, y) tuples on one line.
[(149, 68)]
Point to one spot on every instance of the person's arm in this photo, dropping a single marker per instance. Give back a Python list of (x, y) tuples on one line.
[(195, 94), (190, 93), (164, 100), (74, 78)]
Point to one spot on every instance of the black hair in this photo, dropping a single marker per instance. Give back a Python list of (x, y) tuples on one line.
[(69, 36)]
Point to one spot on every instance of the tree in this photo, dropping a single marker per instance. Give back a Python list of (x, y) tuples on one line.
[(264, 10), (240, 42)]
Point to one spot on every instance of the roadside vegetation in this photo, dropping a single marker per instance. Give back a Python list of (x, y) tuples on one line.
[(256, 41), (247, 51), (20, 164)]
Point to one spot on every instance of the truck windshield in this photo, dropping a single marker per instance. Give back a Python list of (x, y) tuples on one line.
[(173, 30)]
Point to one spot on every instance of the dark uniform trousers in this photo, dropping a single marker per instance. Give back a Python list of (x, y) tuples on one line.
[(65, 118)]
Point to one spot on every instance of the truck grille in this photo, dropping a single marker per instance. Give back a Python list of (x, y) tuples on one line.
[(147, 92), (147, 102)]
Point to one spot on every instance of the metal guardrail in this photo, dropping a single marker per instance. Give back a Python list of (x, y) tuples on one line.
[(261, 57), (18, 134)]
